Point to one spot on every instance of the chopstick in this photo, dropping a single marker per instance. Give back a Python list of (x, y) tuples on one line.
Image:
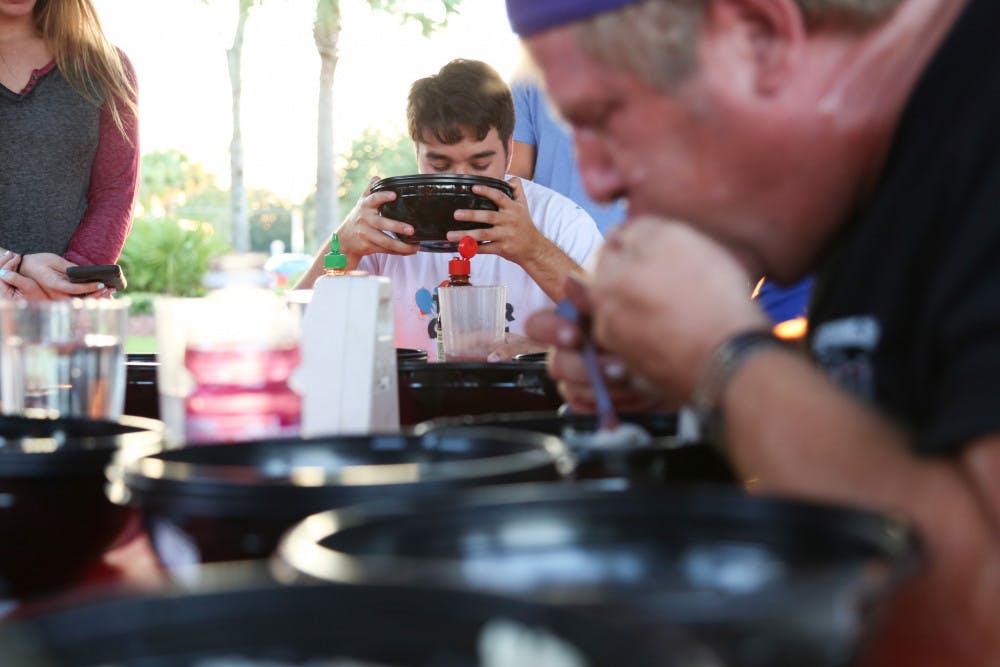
[(607, 418)]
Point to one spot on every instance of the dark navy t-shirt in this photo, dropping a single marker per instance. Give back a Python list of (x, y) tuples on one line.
[(906, 311)]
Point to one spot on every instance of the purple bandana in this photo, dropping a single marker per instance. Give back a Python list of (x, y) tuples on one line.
[(530, 16)]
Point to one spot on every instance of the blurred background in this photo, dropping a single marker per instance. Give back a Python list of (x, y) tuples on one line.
[(207, 190)]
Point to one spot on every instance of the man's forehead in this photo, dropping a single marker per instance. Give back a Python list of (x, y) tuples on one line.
[(572, 77), (428, 136), (428, 140), (467, 148)]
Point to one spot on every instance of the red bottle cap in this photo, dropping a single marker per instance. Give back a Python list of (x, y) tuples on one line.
[(461, 266), (468, 247)]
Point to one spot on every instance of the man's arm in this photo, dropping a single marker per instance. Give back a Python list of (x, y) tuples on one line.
[(522, 161), (363, 233), (793, 432), (789, 430), (515, 237), (549, 267)]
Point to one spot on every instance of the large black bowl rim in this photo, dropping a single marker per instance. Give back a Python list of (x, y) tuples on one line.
[(168, 471), (446, 246), (301, 550), (460, 367), (532, 421), (531, 356), (121, 626), (69, 446), (142, 359), (149, 359), (393, 182)]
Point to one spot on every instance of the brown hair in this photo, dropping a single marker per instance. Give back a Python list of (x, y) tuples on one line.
[(85, 57), (656, 39), (463, 95)]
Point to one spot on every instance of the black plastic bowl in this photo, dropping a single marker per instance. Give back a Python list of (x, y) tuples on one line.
[(764, 582), (141, 396), (55, 520), (453, 388), (269, 625), (665, 459), (233, 502), (410, 354), (428, 202)]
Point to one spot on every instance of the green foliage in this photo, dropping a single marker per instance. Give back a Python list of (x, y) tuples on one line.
[(270, 219), (428, 23), (373, 154), (209, 205), (168, 256), (169, 180), (141, 303)]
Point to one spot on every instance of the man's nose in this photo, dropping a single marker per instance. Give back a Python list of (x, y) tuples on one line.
[(463, 169), (601, 177)]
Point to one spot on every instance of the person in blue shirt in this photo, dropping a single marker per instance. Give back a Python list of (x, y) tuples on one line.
[(543, 153), (784, 303)]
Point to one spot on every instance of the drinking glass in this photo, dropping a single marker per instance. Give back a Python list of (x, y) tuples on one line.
[(472, 320), (63, 358)]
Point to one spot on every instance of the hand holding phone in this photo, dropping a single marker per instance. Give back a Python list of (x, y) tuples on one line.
[(109, 274)]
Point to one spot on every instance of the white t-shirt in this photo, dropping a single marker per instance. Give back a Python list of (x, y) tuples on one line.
[(415, 278)]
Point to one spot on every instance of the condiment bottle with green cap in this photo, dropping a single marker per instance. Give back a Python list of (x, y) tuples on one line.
[(335, 262), (459, 269)]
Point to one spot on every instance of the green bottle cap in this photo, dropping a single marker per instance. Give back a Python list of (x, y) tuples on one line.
[(334, 259)]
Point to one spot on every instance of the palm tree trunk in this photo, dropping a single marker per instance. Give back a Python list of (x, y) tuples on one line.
[(239, 220), (326, 33)]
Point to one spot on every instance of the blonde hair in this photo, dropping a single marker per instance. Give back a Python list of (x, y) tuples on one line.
[(656, 39), (85, 57)]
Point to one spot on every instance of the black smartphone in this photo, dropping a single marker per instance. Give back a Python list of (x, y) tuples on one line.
[(109, 274)]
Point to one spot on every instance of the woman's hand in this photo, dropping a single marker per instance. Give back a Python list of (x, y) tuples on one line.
[(14, 286), (49, 271)]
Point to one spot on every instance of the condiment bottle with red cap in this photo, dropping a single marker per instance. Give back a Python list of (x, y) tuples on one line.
[(459, 269)]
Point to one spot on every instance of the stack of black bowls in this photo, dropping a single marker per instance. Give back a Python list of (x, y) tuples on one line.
[(442, 389), (751, 581), (242, 619), (406, 548), (55, 518), (223, 502), (426, 390), (668, 456)]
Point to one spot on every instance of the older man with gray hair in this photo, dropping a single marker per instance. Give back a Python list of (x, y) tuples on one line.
[(854, 138)]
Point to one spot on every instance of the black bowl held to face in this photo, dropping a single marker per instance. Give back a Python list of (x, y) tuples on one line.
[(55, 519), (428, 202), (231, 502), (764, 582), (244, 620)]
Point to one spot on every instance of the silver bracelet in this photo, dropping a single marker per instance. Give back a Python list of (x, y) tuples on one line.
[(726, 359)]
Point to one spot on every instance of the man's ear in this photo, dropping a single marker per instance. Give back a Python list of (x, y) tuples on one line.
[(510, 153), (768, 35)]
